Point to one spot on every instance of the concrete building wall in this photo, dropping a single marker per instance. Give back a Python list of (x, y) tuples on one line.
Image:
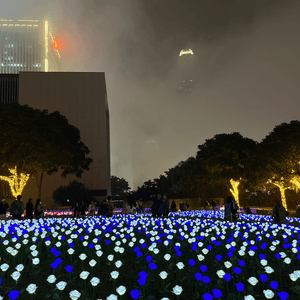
[(82, 99)]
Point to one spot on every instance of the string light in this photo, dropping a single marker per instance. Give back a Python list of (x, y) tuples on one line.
[(15, 181), (235, 190), (282, 187), (296, 181)]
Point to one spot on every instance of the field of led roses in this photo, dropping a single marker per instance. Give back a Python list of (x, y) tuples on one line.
[(139, 257)]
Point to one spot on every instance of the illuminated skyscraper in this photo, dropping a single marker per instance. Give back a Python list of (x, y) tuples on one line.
[(27, 45), (186, 64)]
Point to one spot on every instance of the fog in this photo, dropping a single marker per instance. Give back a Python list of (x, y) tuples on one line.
[(246, 70)]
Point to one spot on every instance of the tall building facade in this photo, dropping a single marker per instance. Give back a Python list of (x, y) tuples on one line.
[(28, 45), (82, 99), (186, 65)]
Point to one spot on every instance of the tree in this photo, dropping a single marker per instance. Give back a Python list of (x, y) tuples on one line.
[(34, 142), (226, 159), (119, 186), (75, 190), (279, 157)]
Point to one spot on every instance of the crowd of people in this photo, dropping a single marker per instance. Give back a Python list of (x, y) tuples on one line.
[(17, 208), (160, 208)]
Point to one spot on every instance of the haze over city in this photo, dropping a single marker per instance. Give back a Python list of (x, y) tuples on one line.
[(246, 70)]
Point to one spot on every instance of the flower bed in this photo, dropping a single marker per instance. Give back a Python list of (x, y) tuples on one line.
[(139, 257)]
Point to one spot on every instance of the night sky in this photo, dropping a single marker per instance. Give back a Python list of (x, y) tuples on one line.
[(246, 70)]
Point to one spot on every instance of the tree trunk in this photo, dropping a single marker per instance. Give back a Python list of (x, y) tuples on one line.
[(39, 184)]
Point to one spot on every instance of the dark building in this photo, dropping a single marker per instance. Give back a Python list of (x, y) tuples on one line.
[(82, 99)]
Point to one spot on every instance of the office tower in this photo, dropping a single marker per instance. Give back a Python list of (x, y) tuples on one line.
[(186, 66), (28, 45)]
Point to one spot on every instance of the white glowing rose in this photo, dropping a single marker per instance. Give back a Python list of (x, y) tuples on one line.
[(121, 290), (156, 251), (221, 273), (74, 295), (252, 280), (167, 256), (251, 253), (177, 290), (227, 264), (268, 294), (20, 267), (32, 247), (114, 274), (112, 297), (204, 251), (71, 251), (241, 252), (84, 275), (99, 253), (110, 257), (264, 262), (47, 243), (31, 288), (95, 281), (287, 260), (35, 261), (121, 250), (34, 253), (200, 257), (293, 277), (180, 265), (163, 275), (118, 263), (282, 254), (92, 263), (25, 241), (61, 285), (15, 275), (269, 270), (82, 256), (51, 279)]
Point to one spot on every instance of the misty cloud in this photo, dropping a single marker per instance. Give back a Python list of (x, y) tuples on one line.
[(246, 70)]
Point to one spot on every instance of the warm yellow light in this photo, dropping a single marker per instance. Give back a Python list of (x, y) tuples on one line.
[(16, 182), (235, 190), (46, 45), (186, 51), (282, 187)]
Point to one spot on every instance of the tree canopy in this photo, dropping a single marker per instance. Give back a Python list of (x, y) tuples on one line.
[(119, 186), (226, 158), (34, 141)]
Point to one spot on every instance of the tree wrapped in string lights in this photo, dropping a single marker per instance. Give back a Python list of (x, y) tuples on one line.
[(34, 143), (16, 181), (226, 159)]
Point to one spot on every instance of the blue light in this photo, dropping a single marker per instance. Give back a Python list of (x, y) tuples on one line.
[(283, 295), (14, 294), (237, 270), (263, 277), (218, 257), (203, 268), (217, 293), (69, 269), (192, 262), (240, 287), (274, 285), (198, 276), (135, 294)]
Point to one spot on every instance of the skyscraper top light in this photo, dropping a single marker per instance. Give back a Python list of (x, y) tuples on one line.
[(27, 45), (186, 51)]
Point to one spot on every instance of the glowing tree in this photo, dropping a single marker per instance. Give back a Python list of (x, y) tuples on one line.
[(226, 158), (34, 143), (16, 181), (279, 156)]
